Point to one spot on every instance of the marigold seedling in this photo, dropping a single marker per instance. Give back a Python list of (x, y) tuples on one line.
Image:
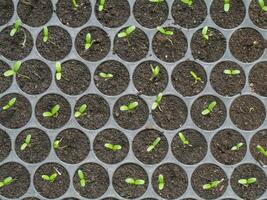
[(161, 182), (133, 181), (105, 76), (113, 147), (10, 104), (262, 5), (14, 69), (155, 72), (15, 28), (209, 109), (131, 106), (82, 178), (45, 34), (7, 181), (156, 103), (81, 111), (101, 5), (126, 32), (88, 41), (261, 150), (226, 6), (152, 146), (247, 181), (53, 113), (50, 178), (58, 71), (195, 77), (211, 185), (26, 142), (164, 31), (183, 139), (57, 143), (205, 33), (231, 72), (237, 146), (187, 2), (74, 4)]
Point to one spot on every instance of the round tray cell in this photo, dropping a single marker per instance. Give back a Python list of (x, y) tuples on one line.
[(70, 198), (6, 12), (257, 78), (5, 145), (5, 82), (257, 15), (259, 139), (30, 198)]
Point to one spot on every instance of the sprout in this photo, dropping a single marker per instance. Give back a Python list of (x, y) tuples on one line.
[(262, 5), (82, 178), (231, 72), (205, 33), (261, 150), (105, 76), (15, 28), (164, 31), (126, 32), (226, 6), (80, 111), (58, 71), (7, 181), (50, 178), (187, 2), (133, 181), (57, 143), (113, 147), (14, 69), (26, 142), (155, 72), (101, 5), (10, 104), (53, 113), (131, 106), (153, 145), (247, 181), (211, 185), (156, 103), (156, 1), (237, 146), (183, 139), (45, 34), (194, 75), (74, 4), (209, 109), (161, 182), (88, 41)]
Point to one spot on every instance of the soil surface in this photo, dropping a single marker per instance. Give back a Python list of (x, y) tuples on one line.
[(257, 16), (6, 12), (30, 198), (258, 78), (70, 198), (5, 145), (5, 82), (260, 138)]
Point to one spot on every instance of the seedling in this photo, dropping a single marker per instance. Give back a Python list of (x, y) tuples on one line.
[(156, 103), (152, 146), (126, 32), (45, 34), (209, 109), (81, 111), (7, 181), (26, 142), (88, 41), (262, 5), (247, 181), (15, 28), (195, 76), (133, 181), (74, 5), (164, 31), (205, 33), (130, 107), (237, 146), (14, 69), (105, 76), (156, 1), (187, 2), (231, 72), (226, 6), (53, 113), (113, 147), (58, 71), (82, 178), (50, 178), (211, 185), (161, 182), (57, 143), (10, 104), (101, 5), (155, 72), (183, 139), (261, 150)]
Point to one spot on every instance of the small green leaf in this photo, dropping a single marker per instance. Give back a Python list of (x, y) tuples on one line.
[(15, 28), (46, 177), (2, 184), (251, 180), (132, 105), (12, 102), (183, 139), (206, 186), (45, 34), (205, 112), (83, 108), (187, 2), (53, 177), (117, 147), (130, 181), (164, 31), (130, 29), (8, 180), (139, 182), (242, 181), (122, 34), (58, 76), (23, 146), (154, 105), (55, 109), (82, 182), (205, 32), (161, 182), (28, 139), (226, 6), (9, 73), (81, 174), (56, 144), (88, 41), (101, 5), (124, 108), (77, 114), (47, 114), (212, 105), (16, 66)]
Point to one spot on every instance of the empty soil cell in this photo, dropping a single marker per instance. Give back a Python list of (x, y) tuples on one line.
[(100, 44), (58, 45), (246, 45), (193, 152), (38, 148), (5, 145), (145, 82), (189, 16), (71, 16), (170, 48), (205, 174), (258, 78), (6, 12), (97, 181), (247, 112), (20, 177), (124, 189), (76, 77), (133, 47), (15, 47), (230, 19), (210, 50), (260, 138), (113, 137), (257, 15), (45, 104), (245, 171), (222, 144), (115, 85), (74, 146), (114, 14), (171, 113), (131, 119), (51, 189), (214, 119), (5, 82), (97, 112), (175, 179), (35, 12), (17, 115), (143, 140), (225, 84), (34, 77), (150, 14), (183, 80)]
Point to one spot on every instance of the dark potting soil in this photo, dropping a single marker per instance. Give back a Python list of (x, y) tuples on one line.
[(71, 16), (222, 143), (18, 115), (214, 119), (97, 181), (114, 137), (150, 14), (125, 190), (97, 112), (260, 138), (30, 198), (74, 146), (192, 153), (149, 199), (206, 173), (5, 82), (48, 189), (246, 44), (209, 50), (170, 48), (144, 81), (37, 150), (172, 188), (132, 119), (5, 145), (6, 12), (230, 19), (100, 44), (114, 14), (17, 47), (224, 84), (247, 112), (21, 180), (70, 198), (35, 12), (253, 191), (257, 78), (115, 85), (184, 82), (58, 45), (45, 104), (257, 15), (189, 17), (76, 77), (143, 140), (109, 198), (34, 77), (132, 48), (171, 112)]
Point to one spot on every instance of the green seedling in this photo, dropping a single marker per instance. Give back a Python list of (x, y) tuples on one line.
[(155, 72), (183, 139), (26, 142), (113, 147), (231, 72), (187, 2), (74, 4), (152, 146), (237, 146), (164, 31), (14, 69), (161, 182), (211, 185), (58, 71), (53, 113), (105, 76), (247, 181), (101, 5), (45, 34), (57, 143), (262, 5), (50, 178), (156, 103), (10, 104), (130, 107), (82, 178), (133, 181), (195, 76), (261, 150), (7, 181), (15, 28), (205, 33), (126, 32), (156, 1), (81, 111), (88, 41), (226, 5), (209, 109)]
